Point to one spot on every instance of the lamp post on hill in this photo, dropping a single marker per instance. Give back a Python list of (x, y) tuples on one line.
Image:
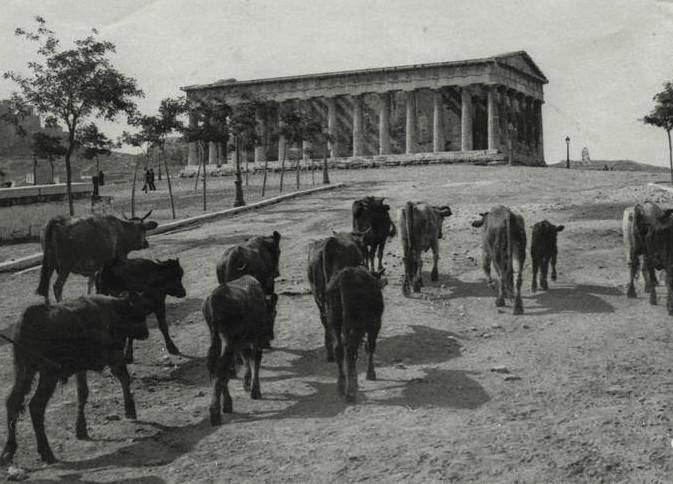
[(567, 151)]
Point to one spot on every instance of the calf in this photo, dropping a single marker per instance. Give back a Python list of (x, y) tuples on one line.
[(357, 310), (504, 246), (420, 230), (325, 258), (543, 250), (656, 236), (635, 224), (58, 341), (371, 218), (161, 278), (239, 313), (258, 257)]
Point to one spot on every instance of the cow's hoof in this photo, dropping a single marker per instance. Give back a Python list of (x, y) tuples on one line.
[(653, 298), (405, 289), (172, 349), (227, 407), (553, 276), (128, 359), (631, 292), (518, 309), (434, 276), (255, 394), (131, 414), (215, 418), (341, 387), (6, 458), (47, 456), (544, 286), (81, 433), (500, 302), (417, 286), (350, 397), (371, 375)]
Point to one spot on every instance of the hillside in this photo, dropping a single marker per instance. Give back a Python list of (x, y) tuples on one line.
[(614, 165)]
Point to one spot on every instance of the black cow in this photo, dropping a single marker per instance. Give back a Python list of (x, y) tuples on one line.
[(60, 340), (325, 258), (239, 313), (656, 236), (161, 278), (371, 218), (504, 246), (543, 250), (420, 231), (83, 245), (258, 257), (357, 310)]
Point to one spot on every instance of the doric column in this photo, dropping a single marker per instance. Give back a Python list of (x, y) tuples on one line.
[(537, 106), (212, 153), (465, 119), (384, 123), (281, 138), (260, 149), (410, 128), (357, 126), (332, 127), (437, 124), (192, 153), (492, 115)]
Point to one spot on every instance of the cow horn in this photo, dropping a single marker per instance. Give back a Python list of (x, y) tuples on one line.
[(124, 215), (146, 215), (369, 229), (242, 267)]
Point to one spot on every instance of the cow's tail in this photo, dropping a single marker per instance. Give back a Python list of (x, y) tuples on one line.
[(48, 258), (407, 244), (392, 231), (326, 263), (215, 350)]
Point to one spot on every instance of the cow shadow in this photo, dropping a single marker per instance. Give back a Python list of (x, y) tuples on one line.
[(581, 298), (161, 448), (451, 287), (424, 345), (179, 309), (77, 478)]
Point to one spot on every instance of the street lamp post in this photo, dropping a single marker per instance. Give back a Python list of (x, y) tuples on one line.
[(567, 151)]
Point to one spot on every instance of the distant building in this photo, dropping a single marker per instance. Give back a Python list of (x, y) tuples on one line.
[(472, 109)]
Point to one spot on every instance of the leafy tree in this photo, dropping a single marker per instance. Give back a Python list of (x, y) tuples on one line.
[(662, 116), (94, 143), (209, 125), (47, 147), (243, 129), (74, 84)]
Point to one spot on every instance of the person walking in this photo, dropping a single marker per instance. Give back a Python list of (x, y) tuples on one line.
[(151, 180), (147, 179)]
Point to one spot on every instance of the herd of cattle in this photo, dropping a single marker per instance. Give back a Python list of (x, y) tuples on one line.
[(92, 332)]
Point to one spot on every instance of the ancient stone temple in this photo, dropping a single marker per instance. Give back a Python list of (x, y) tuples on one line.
[(478, 110)]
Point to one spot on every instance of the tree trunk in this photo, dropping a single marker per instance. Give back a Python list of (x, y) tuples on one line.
[(51, 164), (325, 173), (312, 172), (168, 181), (97, 165), (282, 167), (133, 188), (297, 166), (238, 202), (670, 154), (198, 169), (205, 175), (34, 170), (68, 183), (266, 167), (246, 169)]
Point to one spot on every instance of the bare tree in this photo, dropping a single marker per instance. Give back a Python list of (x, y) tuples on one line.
[(662, 117)]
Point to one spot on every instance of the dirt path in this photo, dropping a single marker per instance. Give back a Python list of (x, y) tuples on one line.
[(590, 400)]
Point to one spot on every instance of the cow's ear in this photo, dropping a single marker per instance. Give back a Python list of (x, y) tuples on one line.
[(478, 223), (276, 236), (445, 211), (382, 282), (559, 228), (483, 214), (150, 225), (386, 207)]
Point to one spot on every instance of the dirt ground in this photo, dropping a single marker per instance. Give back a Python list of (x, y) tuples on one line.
[(587, 397)]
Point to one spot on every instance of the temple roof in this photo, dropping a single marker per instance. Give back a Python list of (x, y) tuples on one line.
[(518, 61)]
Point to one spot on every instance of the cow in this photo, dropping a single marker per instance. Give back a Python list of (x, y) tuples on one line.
[(635, 223), (257, 257), (83, 245), (371, 217), (504, 246), (70, 338), (240, 313), (356, 312), (163, 278), (325, 258), (543, 250), (420, 230), (655, 235)]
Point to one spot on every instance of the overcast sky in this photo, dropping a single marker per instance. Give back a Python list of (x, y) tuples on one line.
[(604, 59)]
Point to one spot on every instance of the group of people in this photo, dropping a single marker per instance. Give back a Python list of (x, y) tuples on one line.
[(149, 181)]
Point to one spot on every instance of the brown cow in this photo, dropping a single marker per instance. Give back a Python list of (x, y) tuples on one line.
[(371, 218), (656, 236), (544, 250), (504, 246), (420, 230), (635, 222)]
